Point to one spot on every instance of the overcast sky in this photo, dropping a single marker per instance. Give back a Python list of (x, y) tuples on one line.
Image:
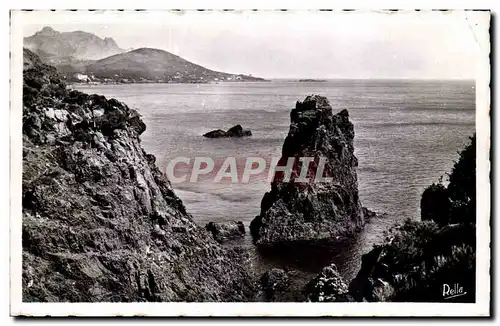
[(295, 44)]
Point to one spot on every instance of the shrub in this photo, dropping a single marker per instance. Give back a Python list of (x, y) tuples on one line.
[(421, 257)]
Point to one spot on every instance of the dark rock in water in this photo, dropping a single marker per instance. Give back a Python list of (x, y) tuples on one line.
[(236, 131), (100, 221), (223, 231), (313, 211), (273, 283), (216, 134), (328, 286), (368, 214)]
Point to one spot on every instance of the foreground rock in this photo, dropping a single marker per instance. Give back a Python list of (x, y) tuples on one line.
[(328, 286), (273, 284), (313, 211), (281, 285), (100, 221), (236, 131), (415, 261), (224, 231)]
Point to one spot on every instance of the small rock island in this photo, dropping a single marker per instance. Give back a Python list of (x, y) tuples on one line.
[(310, 80), (236, 131)]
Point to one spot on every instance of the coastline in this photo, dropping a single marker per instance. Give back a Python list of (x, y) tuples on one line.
[(176, 82), (107, 126)]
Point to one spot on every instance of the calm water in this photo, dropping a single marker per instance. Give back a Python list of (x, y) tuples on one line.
[(407, 136)]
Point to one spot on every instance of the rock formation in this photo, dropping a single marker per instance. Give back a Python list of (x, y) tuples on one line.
[(223, 231), (328, 286), (77, 45), (236, 131), (313, 211), (273, 284), (100, 221), (219, 133)]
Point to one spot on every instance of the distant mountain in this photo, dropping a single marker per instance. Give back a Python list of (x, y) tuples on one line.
[(146, 64), (58, 48), (82, 56)]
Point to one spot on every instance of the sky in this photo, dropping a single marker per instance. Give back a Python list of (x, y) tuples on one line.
[(296, 44)]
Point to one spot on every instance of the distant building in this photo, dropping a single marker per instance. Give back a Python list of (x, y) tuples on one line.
[(81, 78)]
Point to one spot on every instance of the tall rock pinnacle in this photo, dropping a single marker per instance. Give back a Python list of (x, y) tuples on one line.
[(311, 211)]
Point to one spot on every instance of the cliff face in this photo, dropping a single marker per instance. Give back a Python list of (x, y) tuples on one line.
[(78, 45), (100, 221), (313, 211)]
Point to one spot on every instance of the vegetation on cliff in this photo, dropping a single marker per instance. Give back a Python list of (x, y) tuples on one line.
[(456, 202), (422, 260)]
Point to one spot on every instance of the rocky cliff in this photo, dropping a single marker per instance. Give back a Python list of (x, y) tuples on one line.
[(77, 45), (313, 211), (100, 221)]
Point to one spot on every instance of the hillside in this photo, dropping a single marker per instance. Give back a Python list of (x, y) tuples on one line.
[(58, 47), (146, 64), (82, 57)]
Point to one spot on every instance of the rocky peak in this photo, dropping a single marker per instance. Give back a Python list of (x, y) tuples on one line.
[(313, 211), (78, 45), (110, 42), (312, 123), (47, 31)]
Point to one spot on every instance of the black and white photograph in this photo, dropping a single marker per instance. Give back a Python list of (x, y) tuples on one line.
[(333, 158)]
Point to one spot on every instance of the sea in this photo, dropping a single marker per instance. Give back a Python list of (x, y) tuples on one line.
[(407, 135)]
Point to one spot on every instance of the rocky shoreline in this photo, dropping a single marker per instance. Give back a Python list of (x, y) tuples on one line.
[(102, 223), (133, 82)]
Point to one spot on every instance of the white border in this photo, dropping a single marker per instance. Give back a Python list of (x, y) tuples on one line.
[(481, 307)]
